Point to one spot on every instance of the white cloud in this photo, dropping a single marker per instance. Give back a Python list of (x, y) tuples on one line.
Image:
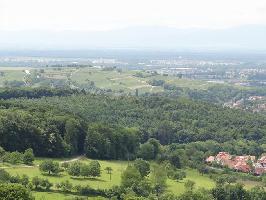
[(112, 14)]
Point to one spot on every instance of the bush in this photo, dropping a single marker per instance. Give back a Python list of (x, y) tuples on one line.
[(50, 167), (13, 158), (2, 153), (40, 183), (74, 169), (87, 190), (45, 184), (4, 176), (94, 169), (78, 169), (28, 157), (64, 186), (143, 167), (14, 191), (65, 165)]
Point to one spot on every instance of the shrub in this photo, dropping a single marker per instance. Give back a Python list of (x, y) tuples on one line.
[(4, 176), (14, 191), (50, 166), (28, 157), (64, 186)]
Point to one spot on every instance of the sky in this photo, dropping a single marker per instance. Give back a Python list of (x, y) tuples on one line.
[(174, 24), (98, 15)]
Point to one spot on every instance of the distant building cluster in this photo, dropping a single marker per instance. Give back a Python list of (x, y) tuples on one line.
[(252, 103), (246, 164)]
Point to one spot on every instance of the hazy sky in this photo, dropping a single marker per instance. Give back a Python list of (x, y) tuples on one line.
[(113, 14)]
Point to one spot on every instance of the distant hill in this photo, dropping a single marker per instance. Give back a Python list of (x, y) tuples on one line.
[(238, 38)]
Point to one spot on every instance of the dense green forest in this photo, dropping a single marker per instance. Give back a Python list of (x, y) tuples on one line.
[(69, 125), (9, 93), (174, 133), (214, 94)]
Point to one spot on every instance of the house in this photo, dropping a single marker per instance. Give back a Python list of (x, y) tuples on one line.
[(222, 157), (255, 98), (210, 159), (260, 166), (245, 158), (262, 161), (259, 169), (242, 166), (238, 163)]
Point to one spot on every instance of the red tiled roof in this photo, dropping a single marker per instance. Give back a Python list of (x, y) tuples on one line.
[(245, 158), (262, 160), (210, 159), (242, 166)]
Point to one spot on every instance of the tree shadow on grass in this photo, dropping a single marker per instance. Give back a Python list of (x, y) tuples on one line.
[(53, 175), (67, 194), (87, 179)]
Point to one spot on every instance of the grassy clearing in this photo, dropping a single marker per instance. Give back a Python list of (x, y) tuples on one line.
[(52, 195), (192, 174), (104, 181)]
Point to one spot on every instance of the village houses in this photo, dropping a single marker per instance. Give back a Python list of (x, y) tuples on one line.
[(244, 163)]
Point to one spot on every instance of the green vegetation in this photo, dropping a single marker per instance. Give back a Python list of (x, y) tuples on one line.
[(153, 146), (50, 167), (14, 191), (116, 80), (104, 181), (108, 127)]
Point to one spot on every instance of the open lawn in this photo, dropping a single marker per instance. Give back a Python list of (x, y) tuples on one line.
[(193, 175), (52, 195), (103, 181)]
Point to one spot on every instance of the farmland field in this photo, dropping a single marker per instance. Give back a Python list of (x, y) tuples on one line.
[(116, 80)]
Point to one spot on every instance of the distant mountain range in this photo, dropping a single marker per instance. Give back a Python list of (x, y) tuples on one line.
[(162, 38)]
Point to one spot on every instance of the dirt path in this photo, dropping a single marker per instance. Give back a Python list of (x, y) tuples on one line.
[(72, 160), (19, 166), (30, 166)]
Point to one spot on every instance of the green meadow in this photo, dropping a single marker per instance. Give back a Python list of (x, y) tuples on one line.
[(115, 80), (102, 182)]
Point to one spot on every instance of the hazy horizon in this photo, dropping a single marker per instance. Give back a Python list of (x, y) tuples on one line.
[(190, 25)]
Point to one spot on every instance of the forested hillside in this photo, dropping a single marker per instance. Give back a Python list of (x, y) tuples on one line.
[(60, 126)]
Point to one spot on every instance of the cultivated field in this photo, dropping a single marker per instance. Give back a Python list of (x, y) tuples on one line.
[(116, 80)]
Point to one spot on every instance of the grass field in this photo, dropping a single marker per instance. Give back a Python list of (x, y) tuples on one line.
[(52, 196), (104, 181), (115, 80), (126, 80), (200, 180), (11, 75)]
